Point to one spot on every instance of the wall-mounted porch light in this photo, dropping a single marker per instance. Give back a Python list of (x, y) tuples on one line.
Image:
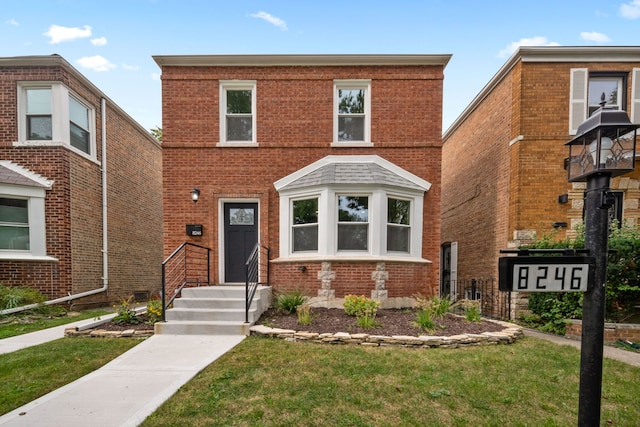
[(195, 195)]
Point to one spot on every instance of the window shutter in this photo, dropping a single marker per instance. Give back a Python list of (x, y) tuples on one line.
[(578, 102), (635, 96)]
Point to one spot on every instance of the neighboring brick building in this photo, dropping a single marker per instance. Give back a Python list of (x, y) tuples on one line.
[(504, 182), (55, 126), (331, 161)]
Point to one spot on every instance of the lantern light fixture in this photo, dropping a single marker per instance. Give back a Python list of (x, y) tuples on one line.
[(195, 195)]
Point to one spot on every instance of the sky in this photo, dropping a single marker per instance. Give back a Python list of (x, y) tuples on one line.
[(112, 42)]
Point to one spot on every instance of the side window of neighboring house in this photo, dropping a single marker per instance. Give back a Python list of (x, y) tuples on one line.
[(352, 112), (14, 224), (51, 114), (588, 87), (237, 113)]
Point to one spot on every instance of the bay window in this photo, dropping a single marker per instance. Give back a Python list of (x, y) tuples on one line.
[(353, 223), (51, 115), (304, 228), (398, 225)]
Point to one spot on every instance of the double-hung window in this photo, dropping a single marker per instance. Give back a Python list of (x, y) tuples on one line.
[(51, 115), (304, 227), (237, 112), (586, 90), (398, 225), (352, 112), (14, 224), (353, 223)]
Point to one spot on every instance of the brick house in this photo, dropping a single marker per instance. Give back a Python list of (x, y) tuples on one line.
[(331, 161), (504, 181), (80, 188)]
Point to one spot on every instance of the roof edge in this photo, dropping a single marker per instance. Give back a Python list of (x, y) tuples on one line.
[(547, 54), (263, 60)]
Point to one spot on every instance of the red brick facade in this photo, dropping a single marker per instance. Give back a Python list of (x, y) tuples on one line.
[(503, 158), (74, 204), (294, 109)]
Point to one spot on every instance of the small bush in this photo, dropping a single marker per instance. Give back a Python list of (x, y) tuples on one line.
[(126, 312), (304, 314), (363, 308), (472, 313), (424, 319), (290, 301), (16, 296), (154, 311)]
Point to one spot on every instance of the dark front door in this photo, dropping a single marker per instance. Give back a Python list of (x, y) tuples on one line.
[(240, 236)]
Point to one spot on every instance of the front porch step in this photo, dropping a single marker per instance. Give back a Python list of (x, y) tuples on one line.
[(193, 327), (211, 310), (210, 315)]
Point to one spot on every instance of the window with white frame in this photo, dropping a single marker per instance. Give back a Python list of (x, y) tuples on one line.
[(328, 211), (609, 85), (304, 226), (237, 112), (398, 224), (51, 114), (352, 111), (14, 224)]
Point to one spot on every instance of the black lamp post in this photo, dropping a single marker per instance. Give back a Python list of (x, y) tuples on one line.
[(604, 146)]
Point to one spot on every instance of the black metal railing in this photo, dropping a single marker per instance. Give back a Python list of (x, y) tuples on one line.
[(187, 266), (493, 303), (257, 273)]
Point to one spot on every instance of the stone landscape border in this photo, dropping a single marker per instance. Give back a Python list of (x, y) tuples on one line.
[(509, 335), (103, 333)]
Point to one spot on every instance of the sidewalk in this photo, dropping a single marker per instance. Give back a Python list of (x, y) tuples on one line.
[(124, 391), (131, 387)]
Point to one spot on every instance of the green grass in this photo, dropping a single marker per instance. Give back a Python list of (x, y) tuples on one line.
[(271, 382), (18, 324), (32, 372)]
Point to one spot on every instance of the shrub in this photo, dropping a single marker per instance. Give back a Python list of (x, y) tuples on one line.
[(424, 319), (554, 308), (290, 301), (126, 312), (154, 311), (472, 313), (16, 296), (365, 310), (304, 314)]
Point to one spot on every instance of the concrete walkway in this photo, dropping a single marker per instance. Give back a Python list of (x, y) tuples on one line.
[(131, 387), (124, 391)]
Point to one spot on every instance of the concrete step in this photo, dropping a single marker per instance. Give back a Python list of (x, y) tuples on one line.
[(214, 303), (215, 292), (207, 314), (177, 327)]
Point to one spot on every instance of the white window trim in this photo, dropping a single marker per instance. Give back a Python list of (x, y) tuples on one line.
[(59, 118), (236, 85), (353, 84), (387, 223), (291, 224), (328, 220), (37, 229)]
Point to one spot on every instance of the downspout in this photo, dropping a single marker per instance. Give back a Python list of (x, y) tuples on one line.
[(105, 254)]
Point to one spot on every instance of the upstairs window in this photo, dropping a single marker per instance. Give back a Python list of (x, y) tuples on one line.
[(352, 112), (39, 118), (14, 224), (50, 114), (237, 112), (586, 89)]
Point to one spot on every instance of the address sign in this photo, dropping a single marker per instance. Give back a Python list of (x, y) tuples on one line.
[(545, 274)]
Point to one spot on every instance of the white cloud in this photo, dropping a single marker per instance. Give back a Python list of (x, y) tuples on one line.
[(630, 10), (595, 37), (100, 41), (271, 19), (96, 63), (533, 41), (130, 67), (59, 34), (13, 22)]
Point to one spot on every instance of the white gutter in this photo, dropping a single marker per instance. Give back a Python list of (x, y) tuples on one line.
[(105, 254)]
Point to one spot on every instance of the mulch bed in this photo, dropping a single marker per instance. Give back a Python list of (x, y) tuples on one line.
[(142, 326), (390, 322)]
